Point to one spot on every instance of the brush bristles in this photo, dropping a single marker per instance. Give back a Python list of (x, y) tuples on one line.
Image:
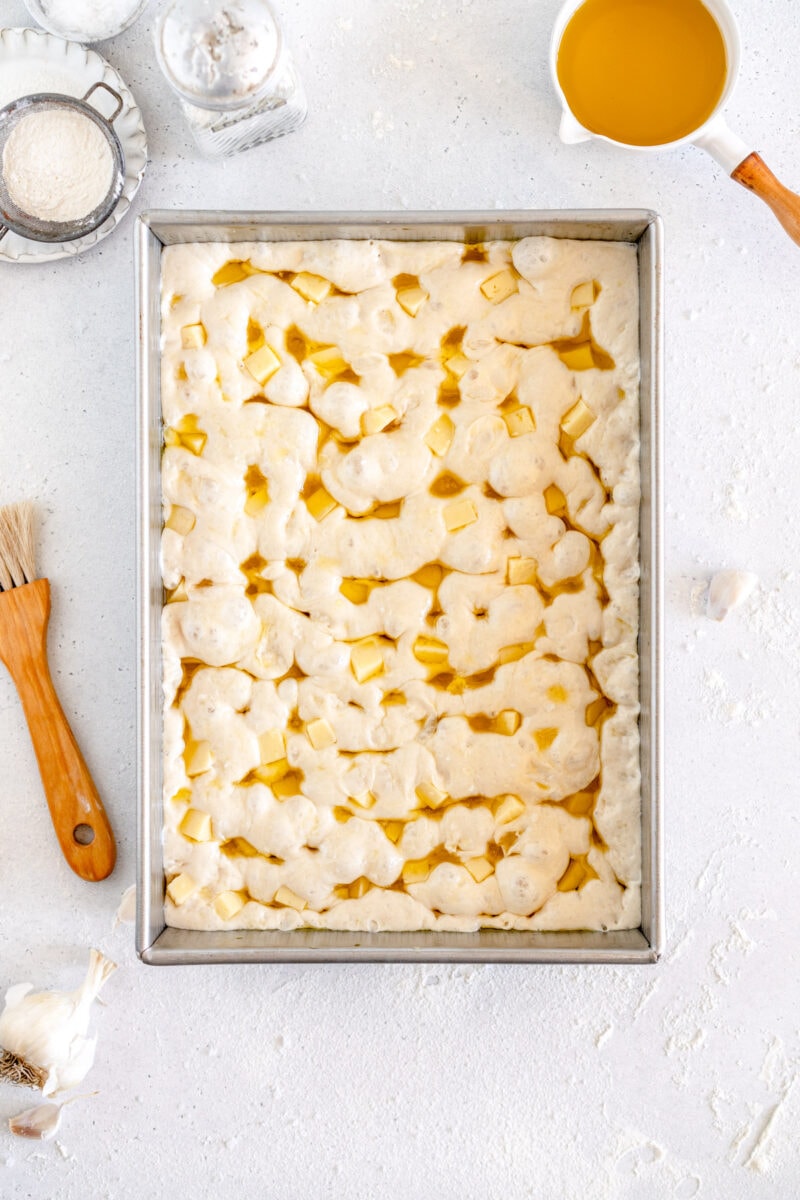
[(17, 550)]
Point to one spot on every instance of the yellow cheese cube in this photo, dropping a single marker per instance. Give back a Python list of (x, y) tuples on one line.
[(320, 734), (270, 773), (394, 830), (179, 593), (458, 365), (193, 336), (194, 441), (311, 287), (411, 299), (272, 746), (479, 868), (439, 437), (544, 738), (431, 795), (509, 654), (365, 800), (181, 520), (429, 576), (366, 660), (508, 809), (228, 904), (376, 419), (583, 295), (320, 503), (355, 590), (508, 722), (286, 786), (289, 899), (416, 870), (430, 650), (180, 888), (521, 570), (519, 421), (199, 759), (578, 358), (359, 888), (256, 501), (196, 825), (579, 418), (263, 364), (459, 514), (500, 286), (328, 361), (554, 500)]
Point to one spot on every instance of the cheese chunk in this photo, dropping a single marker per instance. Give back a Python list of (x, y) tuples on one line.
[(439, 437), (376, 419), (193, 336), (181, 520), (289, 899), (366, 660), (521, 570), (411, 299), (320, 503), (320, 734), (228, 904), (431, 795), (196, 825), (181, 888), (500, 286), (519, 421), (459, 514), (262, 364), (272, 746), (311, 287)]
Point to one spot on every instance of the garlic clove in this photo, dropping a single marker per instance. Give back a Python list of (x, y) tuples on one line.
[(41, 1122), (126, 913), (727, 591)]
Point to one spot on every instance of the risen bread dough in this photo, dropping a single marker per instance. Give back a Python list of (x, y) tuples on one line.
[(401, 561)]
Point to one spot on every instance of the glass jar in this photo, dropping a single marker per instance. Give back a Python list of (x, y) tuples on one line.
[(227, 61)]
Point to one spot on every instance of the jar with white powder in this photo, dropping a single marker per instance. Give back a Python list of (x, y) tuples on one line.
[(228, 63), (86, 20)]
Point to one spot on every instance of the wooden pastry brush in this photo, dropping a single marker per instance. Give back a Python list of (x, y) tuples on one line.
[(78, 815)]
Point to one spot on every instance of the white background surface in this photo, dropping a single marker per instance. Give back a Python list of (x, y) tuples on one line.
[(296, 1082)]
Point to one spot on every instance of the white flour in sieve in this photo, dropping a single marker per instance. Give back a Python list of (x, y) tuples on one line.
[(57, 165)]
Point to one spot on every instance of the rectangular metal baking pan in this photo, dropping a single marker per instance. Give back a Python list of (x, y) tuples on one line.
[(159, 944)]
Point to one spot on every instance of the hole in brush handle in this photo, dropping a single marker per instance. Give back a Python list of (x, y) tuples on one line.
[(83, 835)]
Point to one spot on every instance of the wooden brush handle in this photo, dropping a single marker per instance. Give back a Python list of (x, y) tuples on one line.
[(78, 815), (755, 175)]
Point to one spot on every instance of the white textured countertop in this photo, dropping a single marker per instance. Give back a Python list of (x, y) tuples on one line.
[(672, 1081)]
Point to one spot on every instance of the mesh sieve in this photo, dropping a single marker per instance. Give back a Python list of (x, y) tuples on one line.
[(14, 218)]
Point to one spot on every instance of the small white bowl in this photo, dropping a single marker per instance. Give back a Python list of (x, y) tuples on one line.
[(80, 35)]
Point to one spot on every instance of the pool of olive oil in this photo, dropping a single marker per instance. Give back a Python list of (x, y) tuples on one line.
[(643, 72)]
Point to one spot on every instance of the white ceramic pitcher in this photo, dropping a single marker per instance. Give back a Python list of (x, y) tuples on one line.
[(736, 156)]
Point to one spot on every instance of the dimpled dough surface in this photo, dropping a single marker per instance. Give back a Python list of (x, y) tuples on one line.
[(400, 651)]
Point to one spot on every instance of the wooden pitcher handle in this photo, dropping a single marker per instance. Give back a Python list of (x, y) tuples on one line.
[(79, 819), (755, 175)]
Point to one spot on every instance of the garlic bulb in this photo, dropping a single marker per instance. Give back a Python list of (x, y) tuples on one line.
[(40, 1122), (43, 1034)]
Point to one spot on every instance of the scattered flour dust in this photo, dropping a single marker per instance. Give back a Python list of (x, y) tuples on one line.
[(753, 708)]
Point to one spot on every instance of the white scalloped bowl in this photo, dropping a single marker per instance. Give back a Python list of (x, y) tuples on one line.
[(34, 61), (79, 35)]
